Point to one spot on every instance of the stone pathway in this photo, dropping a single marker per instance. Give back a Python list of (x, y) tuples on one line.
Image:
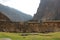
[(5, 39)]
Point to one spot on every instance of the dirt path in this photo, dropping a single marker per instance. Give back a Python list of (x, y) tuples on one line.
[(5, 39)]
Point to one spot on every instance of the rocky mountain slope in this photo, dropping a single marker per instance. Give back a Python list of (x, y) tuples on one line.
[(48, 10), (13, 14)]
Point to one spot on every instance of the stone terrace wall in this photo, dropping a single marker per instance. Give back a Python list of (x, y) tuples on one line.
[(6, 26)]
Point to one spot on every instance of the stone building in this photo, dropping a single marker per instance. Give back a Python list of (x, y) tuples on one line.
[(3, 17)]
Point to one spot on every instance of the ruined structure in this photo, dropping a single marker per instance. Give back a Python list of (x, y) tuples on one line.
[(45, 20), (32, 27), (6, 25), (3, 17)]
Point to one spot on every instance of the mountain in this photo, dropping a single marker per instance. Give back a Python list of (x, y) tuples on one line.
[(13, 14), (48, 10)]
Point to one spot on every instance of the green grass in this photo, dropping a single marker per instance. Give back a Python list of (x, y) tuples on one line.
[(31, 36)]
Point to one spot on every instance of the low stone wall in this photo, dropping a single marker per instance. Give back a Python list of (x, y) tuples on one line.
[(6, 26)]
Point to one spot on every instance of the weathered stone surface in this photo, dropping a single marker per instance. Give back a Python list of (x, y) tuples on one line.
[(48, 10), (6, 26)]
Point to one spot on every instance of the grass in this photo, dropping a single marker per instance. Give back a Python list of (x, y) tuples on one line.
[(31, 36)]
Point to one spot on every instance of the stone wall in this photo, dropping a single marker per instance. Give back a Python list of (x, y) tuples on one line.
[(6, 26)]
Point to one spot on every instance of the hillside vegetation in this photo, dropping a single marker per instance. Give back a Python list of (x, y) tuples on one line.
[(31, 36)]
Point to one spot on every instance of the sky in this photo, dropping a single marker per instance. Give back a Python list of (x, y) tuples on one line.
[(26, 6)]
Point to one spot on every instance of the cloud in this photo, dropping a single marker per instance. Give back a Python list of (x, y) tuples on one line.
[(3, 1)]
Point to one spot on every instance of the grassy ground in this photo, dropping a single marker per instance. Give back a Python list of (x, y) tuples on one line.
[(31, 36)]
